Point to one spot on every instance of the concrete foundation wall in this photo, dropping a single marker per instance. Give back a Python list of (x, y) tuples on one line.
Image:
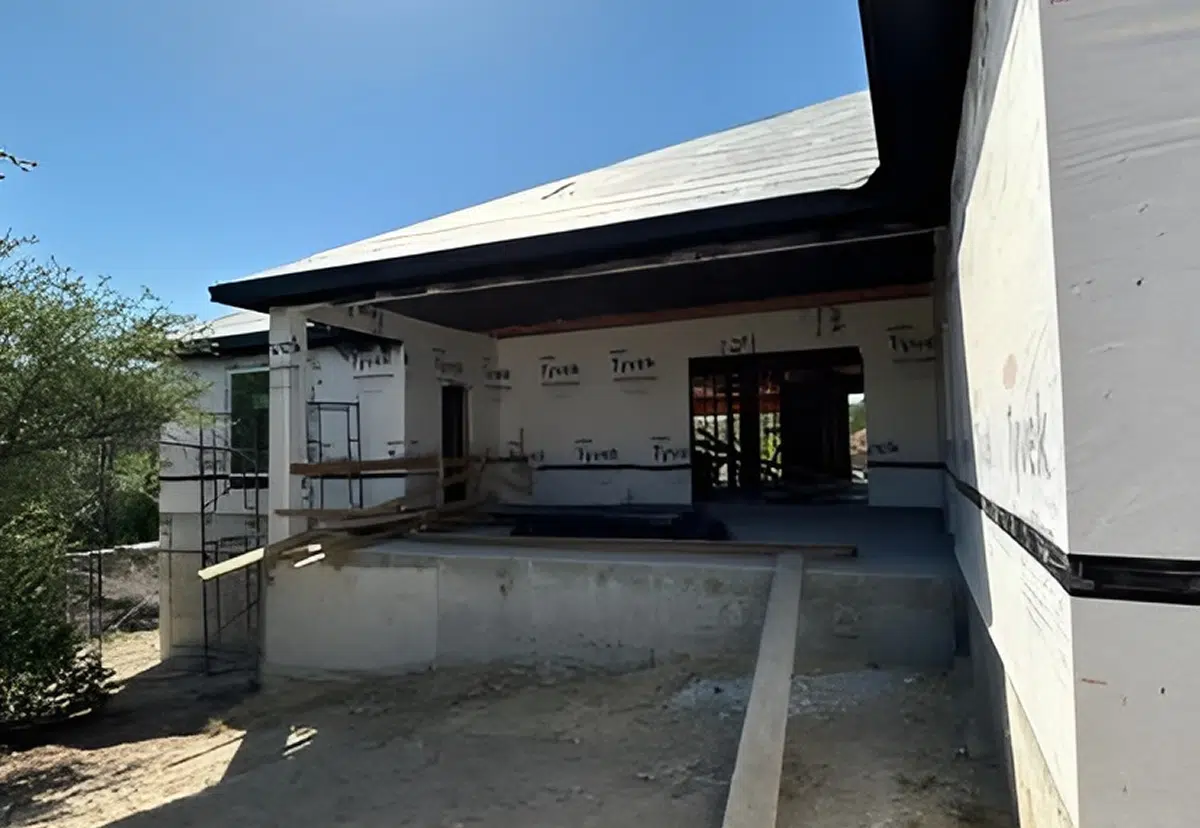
[(623, 434), (392, 611), (1005, 422)]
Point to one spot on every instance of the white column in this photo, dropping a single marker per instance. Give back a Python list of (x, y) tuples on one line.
[(288, 444)]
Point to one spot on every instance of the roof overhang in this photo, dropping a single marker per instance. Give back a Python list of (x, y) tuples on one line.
[(721, 281), (916, 54)]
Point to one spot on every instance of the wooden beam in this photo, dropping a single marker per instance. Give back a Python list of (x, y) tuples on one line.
[(232, 565), (818, 300)]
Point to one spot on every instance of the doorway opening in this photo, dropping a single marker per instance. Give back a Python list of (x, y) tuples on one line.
[(775, 426), (454, 434)]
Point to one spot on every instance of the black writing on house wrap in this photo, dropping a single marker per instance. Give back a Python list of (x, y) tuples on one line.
[(497, 378), (558, 373), (624, 366), (285, 348), (829, 320), (911, 347), (445, 367), (1027, 443), (587, 455), (372, 358), (883, 449), (743, 344), (666, 455)]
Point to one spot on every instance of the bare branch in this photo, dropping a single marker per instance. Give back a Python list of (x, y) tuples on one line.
[(22, 164)]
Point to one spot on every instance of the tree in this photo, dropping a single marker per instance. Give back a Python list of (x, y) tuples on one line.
[(22, 164), (88, 377), (858, 416)]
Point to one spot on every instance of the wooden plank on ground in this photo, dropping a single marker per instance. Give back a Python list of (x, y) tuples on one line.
[(754, 788)]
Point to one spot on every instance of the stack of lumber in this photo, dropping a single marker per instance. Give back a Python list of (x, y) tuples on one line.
[(333, 533)]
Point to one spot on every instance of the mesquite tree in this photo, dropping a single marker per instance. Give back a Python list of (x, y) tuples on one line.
[(88, 376)]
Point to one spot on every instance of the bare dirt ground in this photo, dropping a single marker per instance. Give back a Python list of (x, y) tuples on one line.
[(501, 747)]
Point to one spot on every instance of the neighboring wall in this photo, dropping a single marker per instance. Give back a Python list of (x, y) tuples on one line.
[(1124, 131), (597, 437), (374, 377), (1005, 428), (437, 356)]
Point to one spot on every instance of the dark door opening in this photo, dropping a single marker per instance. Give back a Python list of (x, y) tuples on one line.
[(773, 426), (454, 435)]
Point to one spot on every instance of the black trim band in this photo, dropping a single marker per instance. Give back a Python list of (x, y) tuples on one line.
[(613, 467), (906, 464), (1138, 580)]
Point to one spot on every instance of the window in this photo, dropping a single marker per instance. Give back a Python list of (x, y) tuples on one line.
[(250, 421)]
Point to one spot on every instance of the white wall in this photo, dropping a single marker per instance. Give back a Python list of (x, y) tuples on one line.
[(374, 377), (437, 356), (626, 420), (1124, 123), (1124, 132), (1005, 420)]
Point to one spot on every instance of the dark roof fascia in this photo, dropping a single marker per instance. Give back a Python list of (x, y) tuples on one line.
[(566, 250), (255, 343)]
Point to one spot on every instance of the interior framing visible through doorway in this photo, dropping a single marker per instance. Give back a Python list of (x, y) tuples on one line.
[(773, 426), (455, 416)]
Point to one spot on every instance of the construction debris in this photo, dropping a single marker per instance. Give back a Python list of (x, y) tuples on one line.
[(333, 533)]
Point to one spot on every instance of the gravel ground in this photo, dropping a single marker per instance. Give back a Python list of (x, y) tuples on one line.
[(497, 747)]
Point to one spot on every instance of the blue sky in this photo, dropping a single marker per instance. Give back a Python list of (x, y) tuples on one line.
[(184, 143)]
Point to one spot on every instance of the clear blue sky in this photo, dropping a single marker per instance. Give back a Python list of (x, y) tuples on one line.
[(183, 142)]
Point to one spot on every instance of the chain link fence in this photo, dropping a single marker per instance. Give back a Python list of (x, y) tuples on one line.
[(113, 590)]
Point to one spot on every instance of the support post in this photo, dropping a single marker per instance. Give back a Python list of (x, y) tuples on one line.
[(288, 348)]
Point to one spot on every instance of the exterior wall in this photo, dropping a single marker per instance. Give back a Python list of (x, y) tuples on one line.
[(626, 420), (1124, 133), (437, 356), (1005, 428), (373, 378), (1125, 155)]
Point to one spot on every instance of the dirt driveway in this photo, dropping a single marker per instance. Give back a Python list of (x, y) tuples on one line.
[(503, 747)]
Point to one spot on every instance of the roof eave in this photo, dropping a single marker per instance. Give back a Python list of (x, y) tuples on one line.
[(585, 247)]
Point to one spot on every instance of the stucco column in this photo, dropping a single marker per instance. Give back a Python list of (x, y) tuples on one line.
[(289, 382)]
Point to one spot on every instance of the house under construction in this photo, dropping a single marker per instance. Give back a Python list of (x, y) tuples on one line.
[(592, 420)]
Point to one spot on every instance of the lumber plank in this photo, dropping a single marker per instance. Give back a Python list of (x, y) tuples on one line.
[(232, 565), (753, 799)]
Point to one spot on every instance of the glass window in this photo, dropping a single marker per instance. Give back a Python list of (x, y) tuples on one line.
[(250, 421)]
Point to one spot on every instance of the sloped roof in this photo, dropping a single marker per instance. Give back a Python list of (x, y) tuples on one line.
[(233, 324), (827, 146)]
